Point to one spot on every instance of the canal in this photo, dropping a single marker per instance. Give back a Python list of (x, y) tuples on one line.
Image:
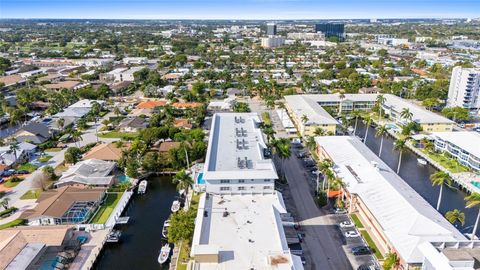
[(418, 177), (141, 237)]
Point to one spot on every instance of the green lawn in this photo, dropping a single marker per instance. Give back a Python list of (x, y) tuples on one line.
[(183, 257), (27, 167), (371, 244), (44, 158), (266, 118), (13, 223), (31, 194), (106, 208), (357, 221), (117, 134), (449, 163), (54, 149), (10, 184)]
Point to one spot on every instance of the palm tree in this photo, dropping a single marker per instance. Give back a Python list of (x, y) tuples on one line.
[(14, 147), (380, 132), (379, 102), (304, 119), (60, 123), (455, 216), (319, 131), (183, 181), (400, 146), (281, 148), (5, 203), (406, 114), (326, 168), (341, 96), (356, 114), (367, 120), (76, 136), (473, 200), (310, 143), (391, 261), (440, 178)]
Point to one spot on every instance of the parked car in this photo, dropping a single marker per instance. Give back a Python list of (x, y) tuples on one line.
[(304, 261), (301, 155), (8, 173), (351, 234), (23, 172), (345, 224), (361, 250), (339, 211), (368, 266)]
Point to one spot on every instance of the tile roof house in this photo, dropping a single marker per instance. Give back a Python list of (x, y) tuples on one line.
[(88, 173), (182, 123), (104, 151), (65, 205), (21, 246), (12, 80), (35, 133), (185, 105), (151, 104)]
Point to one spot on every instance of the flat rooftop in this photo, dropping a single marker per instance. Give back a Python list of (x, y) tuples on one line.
[(235, 149), (249, 237), (308, 105), (405, 217), (466, 140)]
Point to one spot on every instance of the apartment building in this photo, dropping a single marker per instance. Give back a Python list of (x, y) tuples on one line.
[(464, 88), (462, 145)]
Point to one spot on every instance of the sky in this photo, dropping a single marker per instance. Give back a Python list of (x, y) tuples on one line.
[(240, 9)]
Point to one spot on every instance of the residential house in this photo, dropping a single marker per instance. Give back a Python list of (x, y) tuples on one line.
[(70, 85), (11, 80), (104, 151), (182, 123), (151, 104), (65, 205), (35, 133), (88, 173), (133, 124), (186, 105)]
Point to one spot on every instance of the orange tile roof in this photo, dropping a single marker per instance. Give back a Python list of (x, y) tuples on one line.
[(182, 123), (150, 104), (183, 105), (420, 72)]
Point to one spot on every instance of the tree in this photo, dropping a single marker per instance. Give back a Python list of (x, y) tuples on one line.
[(304, 119), (455, 216), (473, 200), (72, 155), (281, 148), (182, 226), (406, 114), (400, 146), (5, 203), (456, 113), (366, 120), (49, 173), (61, 123), (391, 261), (183, 181), (76, 136), (380, 133), (379, 103), (14, 147), (310, 143), (241, 107), (440, 178), (429, 103), (319, 131)]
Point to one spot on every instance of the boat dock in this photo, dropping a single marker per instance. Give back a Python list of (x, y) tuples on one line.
[(123, 220)]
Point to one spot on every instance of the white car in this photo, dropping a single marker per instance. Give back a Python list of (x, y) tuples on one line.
[(340, 211), (351, 234), (345, 224)]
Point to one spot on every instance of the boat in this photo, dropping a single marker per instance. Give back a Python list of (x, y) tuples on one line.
[(142, 187), (421, 161), (166, 224), (175, 206), (164, 254), (114, 236)]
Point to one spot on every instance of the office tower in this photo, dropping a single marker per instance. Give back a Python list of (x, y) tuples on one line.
[(464, 88), (331, 29), (271, 29)]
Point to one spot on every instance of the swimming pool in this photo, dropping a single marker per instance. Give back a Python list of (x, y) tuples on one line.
[(476, 184), (123, 179), (391, 126), (200, 180)]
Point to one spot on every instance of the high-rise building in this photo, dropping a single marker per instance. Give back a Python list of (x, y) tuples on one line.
[(464, 88), (331, 29), (271, 29), (272, 41)]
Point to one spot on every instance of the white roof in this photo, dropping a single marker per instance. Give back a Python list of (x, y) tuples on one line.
[(234, 138), (405, 217), (89, 172), (307, 105), (466, 140), (245, 239)]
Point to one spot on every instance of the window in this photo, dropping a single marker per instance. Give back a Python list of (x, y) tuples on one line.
[(241, 188), (266, 180), (224, 188), (267, 187), (241, 181), (224, 181)]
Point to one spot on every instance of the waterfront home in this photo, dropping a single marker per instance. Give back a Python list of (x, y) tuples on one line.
[(151, 104), (464, 146), (88, 173), (22, 154), (26, 247), (35, 133), (65, 205), (104, 151), (394, 215)]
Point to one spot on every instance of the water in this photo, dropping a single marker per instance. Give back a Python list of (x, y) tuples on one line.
[(418, 177), (141, 237), (200, 180)]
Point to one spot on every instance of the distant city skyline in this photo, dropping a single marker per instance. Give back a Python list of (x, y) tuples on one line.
[(246, 9)]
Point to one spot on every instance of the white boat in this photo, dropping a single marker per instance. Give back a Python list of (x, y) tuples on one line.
[(142, 187), (166, 224), (114, 236), (175, 206), (164, 254), (421, 161)]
